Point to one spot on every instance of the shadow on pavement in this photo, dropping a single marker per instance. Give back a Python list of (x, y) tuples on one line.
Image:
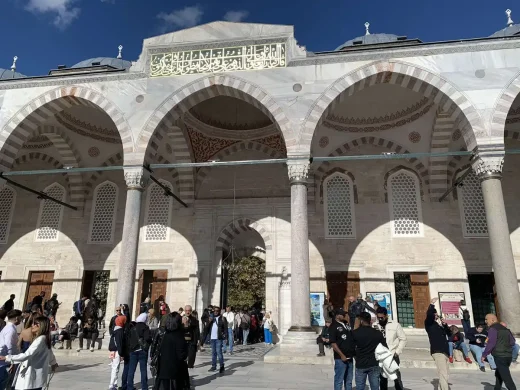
[(230, 370), (75, 367), (487, 385)]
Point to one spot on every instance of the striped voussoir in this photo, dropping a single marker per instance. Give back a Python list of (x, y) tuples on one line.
[(454, 166), (392, 146), (115, 159), (16, 131), (443, 129), (414, 78), (223, 155), (173, 172), (503, 106), (238, 226)]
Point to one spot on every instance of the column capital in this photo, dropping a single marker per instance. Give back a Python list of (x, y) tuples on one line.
[(136, 178), (298, 171), (489, 166)]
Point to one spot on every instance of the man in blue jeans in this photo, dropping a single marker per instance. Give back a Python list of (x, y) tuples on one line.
[(230, 319), (366, 339), (340, 339), (217, 331)]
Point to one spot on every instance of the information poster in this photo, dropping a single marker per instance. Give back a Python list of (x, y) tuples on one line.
[(317, 301), (450, 304), (384, 299)]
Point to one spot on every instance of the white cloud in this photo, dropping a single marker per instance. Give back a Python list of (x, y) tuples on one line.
[(63, 10), (236, 16), (182, 18)]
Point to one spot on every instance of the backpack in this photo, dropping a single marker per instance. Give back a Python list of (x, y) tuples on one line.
[(244, 324), (132, 338), (75, 307)]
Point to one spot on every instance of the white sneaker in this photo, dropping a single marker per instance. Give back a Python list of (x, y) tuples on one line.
[(91, 349), (78, 350)]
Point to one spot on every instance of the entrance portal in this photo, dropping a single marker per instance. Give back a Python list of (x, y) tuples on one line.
[(152, 284), (39, 281), (413, 298), (341, 285), (96, 283), (483, 300)]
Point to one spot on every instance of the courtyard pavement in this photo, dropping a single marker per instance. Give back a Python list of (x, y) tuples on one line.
[(93, 372)]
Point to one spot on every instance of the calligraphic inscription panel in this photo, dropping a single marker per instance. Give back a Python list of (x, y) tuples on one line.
[(251, 57)]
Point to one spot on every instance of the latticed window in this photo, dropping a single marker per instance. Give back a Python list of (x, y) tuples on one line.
[(159, 208), (103, 218), (339, 207), (51, 213), (7, 202), (471, 205), (405, 204)]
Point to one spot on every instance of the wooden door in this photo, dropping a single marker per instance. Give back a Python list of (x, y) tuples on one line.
[(421, 296), (38, 282), (139, 292), (160, 278), (88, 283), (341, 285)]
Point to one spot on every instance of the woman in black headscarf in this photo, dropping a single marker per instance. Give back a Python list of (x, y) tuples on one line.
[(172, 369)]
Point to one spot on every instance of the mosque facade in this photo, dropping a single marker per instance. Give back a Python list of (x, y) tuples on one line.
[(130, 179)]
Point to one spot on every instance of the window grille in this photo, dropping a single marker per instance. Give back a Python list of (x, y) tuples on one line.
[(471, 205), (104, 212), (7, 204), (405, 205), (159, 209), (339, 207), (51, 213)]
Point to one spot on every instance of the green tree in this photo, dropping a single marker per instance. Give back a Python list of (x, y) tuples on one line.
[(246, 282)]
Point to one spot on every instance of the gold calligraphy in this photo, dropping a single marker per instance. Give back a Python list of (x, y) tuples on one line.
[(252, 57)]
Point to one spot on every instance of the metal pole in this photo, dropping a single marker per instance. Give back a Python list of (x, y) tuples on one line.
[(166, 189)]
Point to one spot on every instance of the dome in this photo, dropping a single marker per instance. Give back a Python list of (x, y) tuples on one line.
[(7, 74), (114, 62), (509, 31), (370, 39)]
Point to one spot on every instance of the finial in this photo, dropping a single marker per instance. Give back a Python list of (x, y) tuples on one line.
[(13, 67), (509, 20), (367, 25), (120, 55)]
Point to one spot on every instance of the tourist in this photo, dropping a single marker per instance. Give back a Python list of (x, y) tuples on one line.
[(323, 339), (90, 331), (191, 334), (9, 304), (217, 330), (91, 310), (69, 332), (500, 344), (477, 337), (268, 324), (245, 324), (26, 336), (37, 359), (37, 301), (328, 309), (395, 340), (118, 352), (456, 341), (52, 305), (356, 308), (79, 308), (152, 322), (101, 318), (139, 343), (55, 330), (366, 339), (171, 355), (8, 344), (230, 318), (161, 307), (112, 323), (438, 333), (464, 317), (340, 338), (145, 306), (125, 310)]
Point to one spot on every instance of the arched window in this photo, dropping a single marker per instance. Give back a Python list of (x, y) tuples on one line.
[(103, 216), (51, 213), (404, 200), (339, 206), (7, 203), (158, 213), (471, 205)]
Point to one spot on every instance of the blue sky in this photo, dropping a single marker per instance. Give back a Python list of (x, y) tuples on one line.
[(46, 33)]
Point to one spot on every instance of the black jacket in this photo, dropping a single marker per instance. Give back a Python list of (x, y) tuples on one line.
[(473, 336), (143, 331), (222, 331), (192, 332), (118, 343), (437, 334), (72, 328), (357, 307), (93, 328)]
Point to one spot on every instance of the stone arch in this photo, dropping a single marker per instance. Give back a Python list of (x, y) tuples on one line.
[(443, 128), (239, 225), (239, 146), (344, 172), (392, 147), (399, 168), (409, 76), (16, 131), (94, 177), (503, 105)]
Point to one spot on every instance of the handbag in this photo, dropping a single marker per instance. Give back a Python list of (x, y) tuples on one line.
[(154, 360)]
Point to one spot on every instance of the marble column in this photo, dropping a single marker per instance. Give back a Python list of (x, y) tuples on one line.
[(136, 180), (489, 171), (300, 270)]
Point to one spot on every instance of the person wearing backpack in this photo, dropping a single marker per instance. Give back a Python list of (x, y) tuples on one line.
[(118, 352), (139, 342), (79, 308), (245, 325)]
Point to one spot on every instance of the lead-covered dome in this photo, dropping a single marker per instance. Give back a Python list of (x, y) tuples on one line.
[(512, 29), (100, 61), (8, 74), (370, 39)]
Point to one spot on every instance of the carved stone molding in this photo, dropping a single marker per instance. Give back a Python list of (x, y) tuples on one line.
[(285, 282), (136, 178), (489, 167), (298, 172)]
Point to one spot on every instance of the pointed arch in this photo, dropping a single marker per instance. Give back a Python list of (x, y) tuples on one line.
[(94, 177), (339, 206), (237, 226), (503, 105), (409, 76)]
